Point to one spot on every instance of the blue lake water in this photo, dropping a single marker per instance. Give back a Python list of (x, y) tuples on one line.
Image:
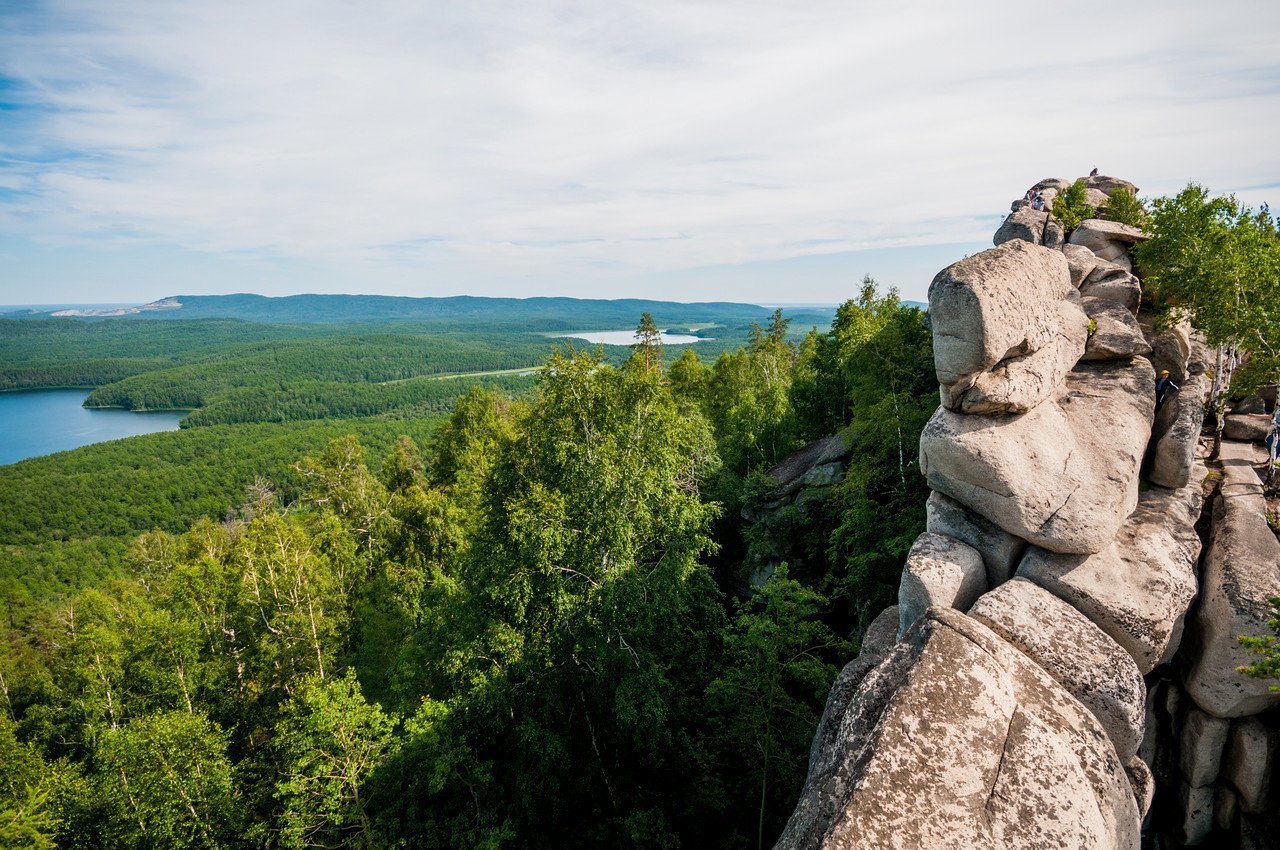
[(40, 422), (628, 337)]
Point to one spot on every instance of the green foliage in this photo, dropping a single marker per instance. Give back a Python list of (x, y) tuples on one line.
[(1071, 206), (508, 633), (166, 480), (164, 781), (780, 659), (1217, 264), (1266, 647), (328, 740), (1124, 207)]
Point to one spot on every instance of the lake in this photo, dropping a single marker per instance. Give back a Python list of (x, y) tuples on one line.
[(628, 337), (40, 422)]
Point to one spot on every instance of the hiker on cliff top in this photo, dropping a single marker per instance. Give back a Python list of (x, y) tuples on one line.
[(1163, 387), (1037, 202)]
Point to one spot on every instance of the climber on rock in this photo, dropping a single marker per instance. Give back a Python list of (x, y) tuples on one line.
[(1163, 387)]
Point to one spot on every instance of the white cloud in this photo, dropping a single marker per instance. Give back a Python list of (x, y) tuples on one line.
[(489, 139)]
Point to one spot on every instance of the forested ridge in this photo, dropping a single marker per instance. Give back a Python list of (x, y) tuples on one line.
[(235, 370), (524, 628)]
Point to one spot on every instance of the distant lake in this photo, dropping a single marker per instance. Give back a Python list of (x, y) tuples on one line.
[(40, 422), (628, 337)]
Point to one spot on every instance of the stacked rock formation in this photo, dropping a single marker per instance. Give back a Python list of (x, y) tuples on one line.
[(1010, 699)]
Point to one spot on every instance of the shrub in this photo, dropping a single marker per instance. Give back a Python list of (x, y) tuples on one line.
[(1125, 208), (1071, 206)]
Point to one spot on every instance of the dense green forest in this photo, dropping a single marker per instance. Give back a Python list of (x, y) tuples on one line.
[(518, 629)]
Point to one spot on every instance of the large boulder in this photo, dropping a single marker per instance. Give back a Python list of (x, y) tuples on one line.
[(1170, 348), (1177, 433), (1202, 741), (1057, 184), (1115, 334), (1004, 330), (1035, 226), (958, 740), (1107, 185), (940, 572), (1139, 587), (789, 474), (1097, 233), (1107, 267), (1249, 759), (1248, 427), (1081, 657), (1064, 475), (999, 549), (1241, 573), (1119, 286), (1080, 262)]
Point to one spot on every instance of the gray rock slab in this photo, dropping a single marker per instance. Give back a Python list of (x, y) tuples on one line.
[(1247, 427), (1197, 813), (1116, 335), (1201, 742), (940, 572), (1241, 572), (1038, 227), (1037, 769), (1139, 587), (1120, 287), (1081, 657), (1000, 550), (1250, 758), (1098, 231), (1080, 262), (1064, 475)]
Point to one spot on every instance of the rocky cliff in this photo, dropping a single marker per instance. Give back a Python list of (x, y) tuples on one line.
[(1060, 670)]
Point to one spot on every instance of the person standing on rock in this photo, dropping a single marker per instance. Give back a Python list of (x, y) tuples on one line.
[(1163, 387)]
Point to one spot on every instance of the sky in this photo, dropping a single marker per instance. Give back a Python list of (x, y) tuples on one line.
[(674, 149)]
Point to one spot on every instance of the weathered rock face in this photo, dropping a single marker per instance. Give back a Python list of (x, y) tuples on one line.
[(1116, 334), (952, 686), (1000, 550), (1084, 660), (1051, 476), (1107, 185), (1241, 572), (1170, 349), (1249, 759), (1005, 331), (1203, 738), (1139, 587), (1080, 261), (940, 572), (1098, 233), (1035, 226), (1120, 287)]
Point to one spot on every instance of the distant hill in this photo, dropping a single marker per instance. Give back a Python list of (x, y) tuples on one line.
[(516, 313)]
